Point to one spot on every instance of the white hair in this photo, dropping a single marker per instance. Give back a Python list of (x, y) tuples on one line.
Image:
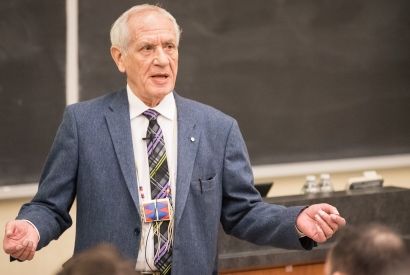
[(119, 34)]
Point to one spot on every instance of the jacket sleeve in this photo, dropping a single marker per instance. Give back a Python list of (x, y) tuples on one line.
[(49, 209), (244, 214)]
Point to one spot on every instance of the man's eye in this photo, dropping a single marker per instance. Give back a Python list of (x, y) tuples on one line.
[(147, 48), (170, 46)]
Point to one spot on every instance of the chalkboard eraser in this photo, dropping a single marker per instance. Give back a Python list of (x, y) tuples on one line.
[(370, 179)]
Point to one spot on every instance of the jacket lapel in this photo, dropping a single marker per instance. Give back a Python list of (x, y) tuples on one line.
[(118, 120), (188, 140)]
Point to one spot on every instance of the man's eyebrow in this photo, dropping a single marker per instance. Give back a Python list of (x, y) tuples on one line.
[(145, 42), (169, 40), (153, 42)]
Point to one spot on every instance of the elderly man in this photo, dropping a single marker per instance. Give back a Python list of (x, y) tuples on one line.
[(155, 173)]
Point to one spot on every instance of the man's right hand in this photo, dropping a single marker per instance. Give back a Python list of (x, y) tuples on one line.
[(20, 240)]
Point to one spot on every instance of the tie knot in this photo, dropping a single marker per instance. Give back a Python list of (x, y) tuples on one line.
[(151, 114)]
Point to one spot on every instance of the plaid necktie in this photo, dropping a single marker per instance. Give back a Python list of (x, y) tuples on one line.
[(160, 188)]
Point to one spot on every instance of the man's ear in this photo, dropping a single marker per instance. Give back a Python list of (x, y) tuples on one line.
[(118, 57)]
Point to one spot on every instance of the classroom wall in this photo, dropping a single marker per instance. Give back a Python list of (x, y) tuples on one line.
[(49, 260)]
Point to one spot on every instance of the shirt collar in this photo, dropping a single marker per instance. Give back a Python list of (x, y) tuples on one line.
[(166, 107)]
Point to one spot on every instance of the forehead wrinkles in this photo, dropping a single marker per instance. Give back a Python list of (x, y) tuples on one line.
[(154, 36)]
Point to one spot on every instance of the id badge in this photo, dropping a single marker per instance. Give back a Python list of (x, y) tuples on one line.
[(157, 210)]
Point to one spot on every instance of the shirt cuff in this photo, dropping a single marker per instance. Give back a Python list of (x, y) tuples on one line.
[(32, 224)]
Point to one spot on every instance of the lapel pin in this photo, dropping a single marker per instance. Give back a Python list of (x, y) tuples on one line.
[(192, 139)]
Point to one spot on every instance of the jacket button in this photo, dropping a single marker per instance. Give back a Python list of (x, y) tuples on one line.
[(137, 231)]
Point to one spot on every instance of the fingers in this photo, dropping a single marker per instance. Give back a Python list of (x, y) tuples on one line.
[(327, 226), (14, 249), (320, 236), (328, 208), (24, 252), (333, 213), (9, 230), (329, 220), (27, 252), (338, 219)]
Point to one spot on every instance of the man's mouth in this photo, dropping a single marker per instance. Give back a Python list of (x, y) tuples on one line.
[(160, 76)]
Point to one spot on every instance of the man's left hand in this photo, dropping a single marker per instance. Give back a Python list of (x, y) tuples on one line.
[(319, 222)]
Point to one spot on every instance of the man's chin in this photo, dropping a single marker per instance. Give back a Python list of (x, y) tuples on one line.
[(162, 90)]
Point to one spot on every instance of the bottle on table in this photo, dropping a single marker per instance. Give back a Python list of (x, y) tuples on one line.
[(325, 184), (311, 185)]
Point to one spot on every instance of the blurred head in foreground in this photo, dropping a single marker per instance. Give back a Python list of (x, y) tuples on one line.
[(102, 260), (374, 249)]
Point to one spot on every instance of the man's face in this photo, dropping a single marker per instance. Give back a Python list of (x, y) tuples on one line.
[(151, 59)]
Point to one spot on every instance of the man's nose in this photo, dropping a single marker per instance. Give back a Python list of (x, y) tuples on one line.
[(161, 58)]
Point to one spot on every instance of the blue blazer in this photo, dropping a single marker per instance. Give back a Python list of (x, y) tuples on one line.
[(92, 161)]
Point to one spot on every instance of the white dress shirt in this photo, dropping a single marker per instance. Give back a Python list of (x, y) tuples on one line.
[(167, 120)]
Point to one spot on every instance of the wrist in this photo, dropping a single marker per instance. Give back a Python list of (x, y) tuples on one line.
[(300, 233), (35, 228)]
